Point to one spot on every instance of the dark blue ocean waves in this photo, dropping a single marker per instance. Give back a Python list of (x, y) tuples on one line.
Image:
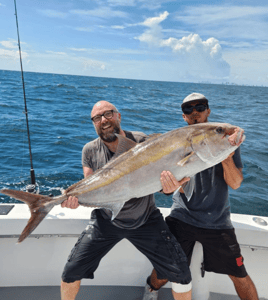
[(59, 109)]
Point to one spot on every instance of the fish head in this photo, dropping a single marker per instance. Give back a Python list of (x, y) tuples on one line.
[(214, 142)]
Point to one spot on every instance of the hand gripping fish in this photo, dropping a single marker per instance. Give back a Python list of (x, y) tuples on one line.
[(135, 169)]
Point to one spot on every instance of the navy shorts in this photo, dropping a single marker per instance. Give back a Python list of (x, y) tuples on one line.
[(221, 250), (153, 239)]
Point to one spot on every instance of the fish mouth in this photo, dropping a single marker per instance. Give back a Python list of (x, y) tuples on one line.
[(237, 137)]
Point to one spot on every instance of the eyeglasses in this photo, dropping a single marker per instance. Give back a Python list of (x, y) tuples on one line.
[(108, 114), (198, 107)]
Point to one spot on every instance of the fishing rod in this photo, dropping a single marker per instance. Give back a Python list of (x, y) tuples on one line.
[(32, 186)]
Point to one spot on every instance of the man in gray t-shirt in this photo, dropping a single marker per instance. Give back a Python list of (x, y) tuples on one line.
[(139, 221), (205, 217)]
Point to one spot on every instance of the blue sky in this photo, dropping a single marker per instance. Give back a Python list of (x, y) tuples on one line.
[(170, 40)]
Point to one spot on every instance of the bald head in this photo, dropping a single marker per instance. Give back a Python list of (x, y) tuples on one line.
[(102, 106)]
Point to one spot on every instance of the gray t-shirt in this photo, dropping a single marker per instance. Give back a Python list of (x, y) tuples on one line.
[(209, 206), (136, 211)]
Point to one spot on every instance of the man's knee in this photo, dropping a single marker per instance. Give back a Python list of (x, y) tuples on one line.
[(240, 280), (181, 288)]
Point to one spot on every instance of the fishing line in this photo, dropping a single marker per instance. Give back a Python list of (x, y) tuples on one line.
[(30, 188)]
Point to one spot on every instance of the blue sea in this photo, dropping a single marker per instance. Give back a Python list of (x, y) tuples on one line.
[(59, 109)]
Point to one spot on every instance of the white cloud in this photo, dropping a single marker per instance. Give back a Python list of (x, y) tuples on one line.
[(86, 29), (78, 49), (193, 55), (92, 64), (118, 27), (153, 35), (239, 22), (150, 22), (10, 44), (53, 13), (104, 52), (11, 54), (153, 4), (141, 4), (56, 53), (102, 12), (248, 67), (207, 14)]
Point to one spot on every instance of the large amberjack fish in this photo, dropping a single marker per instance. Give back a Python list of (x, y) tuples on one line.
[(135, 169)]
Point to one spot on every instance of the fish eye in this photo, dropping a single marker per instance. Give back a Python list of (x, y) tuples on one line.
[(219, 130)]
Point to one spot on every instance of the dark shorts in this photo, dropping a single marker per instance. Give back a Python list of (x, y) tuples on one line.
[(221, 251), (153, 239)]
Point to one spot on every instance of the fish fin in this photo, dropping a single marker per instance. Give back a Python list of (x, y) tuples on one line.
[(189, 188), (184, 161), (124, 144), (152, 136), (39, 207), (114, 207)]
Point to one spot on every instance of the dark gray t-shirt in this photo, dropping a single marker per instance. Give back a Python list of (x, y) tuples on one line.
[(136, 211), (209, 206)]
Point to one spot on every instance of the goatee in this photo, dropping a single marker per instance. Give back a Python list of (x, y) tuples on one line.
[(110, 136)]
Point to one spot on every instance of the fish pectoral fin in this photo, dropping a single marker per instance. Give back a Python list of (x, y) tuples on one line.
[(124, 144), (185, 160), (114, 207), (189, 188)]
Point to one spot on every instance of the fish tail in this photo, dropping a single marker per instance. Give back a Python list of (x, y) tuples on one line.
[(39, 206)]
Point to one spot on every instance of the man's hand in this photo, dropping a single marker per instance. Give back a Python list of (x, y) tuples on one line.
[(71, 202), (236, 138), (170, 184), (228, 158)]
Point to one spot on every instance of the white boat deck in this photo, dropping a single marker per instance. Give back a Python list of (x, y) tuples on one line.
[(32, 269)]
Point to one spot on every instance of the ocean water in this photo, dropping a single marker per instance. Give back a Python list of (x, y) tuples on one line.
[(59, 109)]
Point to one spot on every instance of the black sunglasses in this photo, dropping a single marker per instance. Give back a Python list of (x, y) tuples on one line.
[(107, 115), (188, 109)]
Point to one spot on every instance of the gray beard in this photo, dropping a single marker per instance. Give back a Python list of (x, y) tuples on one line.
[(110, 137)]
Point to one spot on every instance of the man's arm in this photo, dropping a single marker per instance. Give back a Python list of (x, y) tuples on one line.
[(72, 202), (87, 171), (233, 176)]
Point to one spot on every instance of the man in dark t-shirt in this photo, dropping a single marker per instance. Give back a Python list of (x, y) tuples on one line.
[(139, 221), (205, 216)]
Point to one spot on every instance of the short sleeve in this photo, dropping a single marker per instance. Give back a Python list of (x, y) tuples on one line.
[(237, 158)]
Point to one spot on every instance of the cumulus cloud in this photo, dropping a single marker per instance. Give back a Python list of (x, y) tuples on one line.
[(194, 56), (153, 35)]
